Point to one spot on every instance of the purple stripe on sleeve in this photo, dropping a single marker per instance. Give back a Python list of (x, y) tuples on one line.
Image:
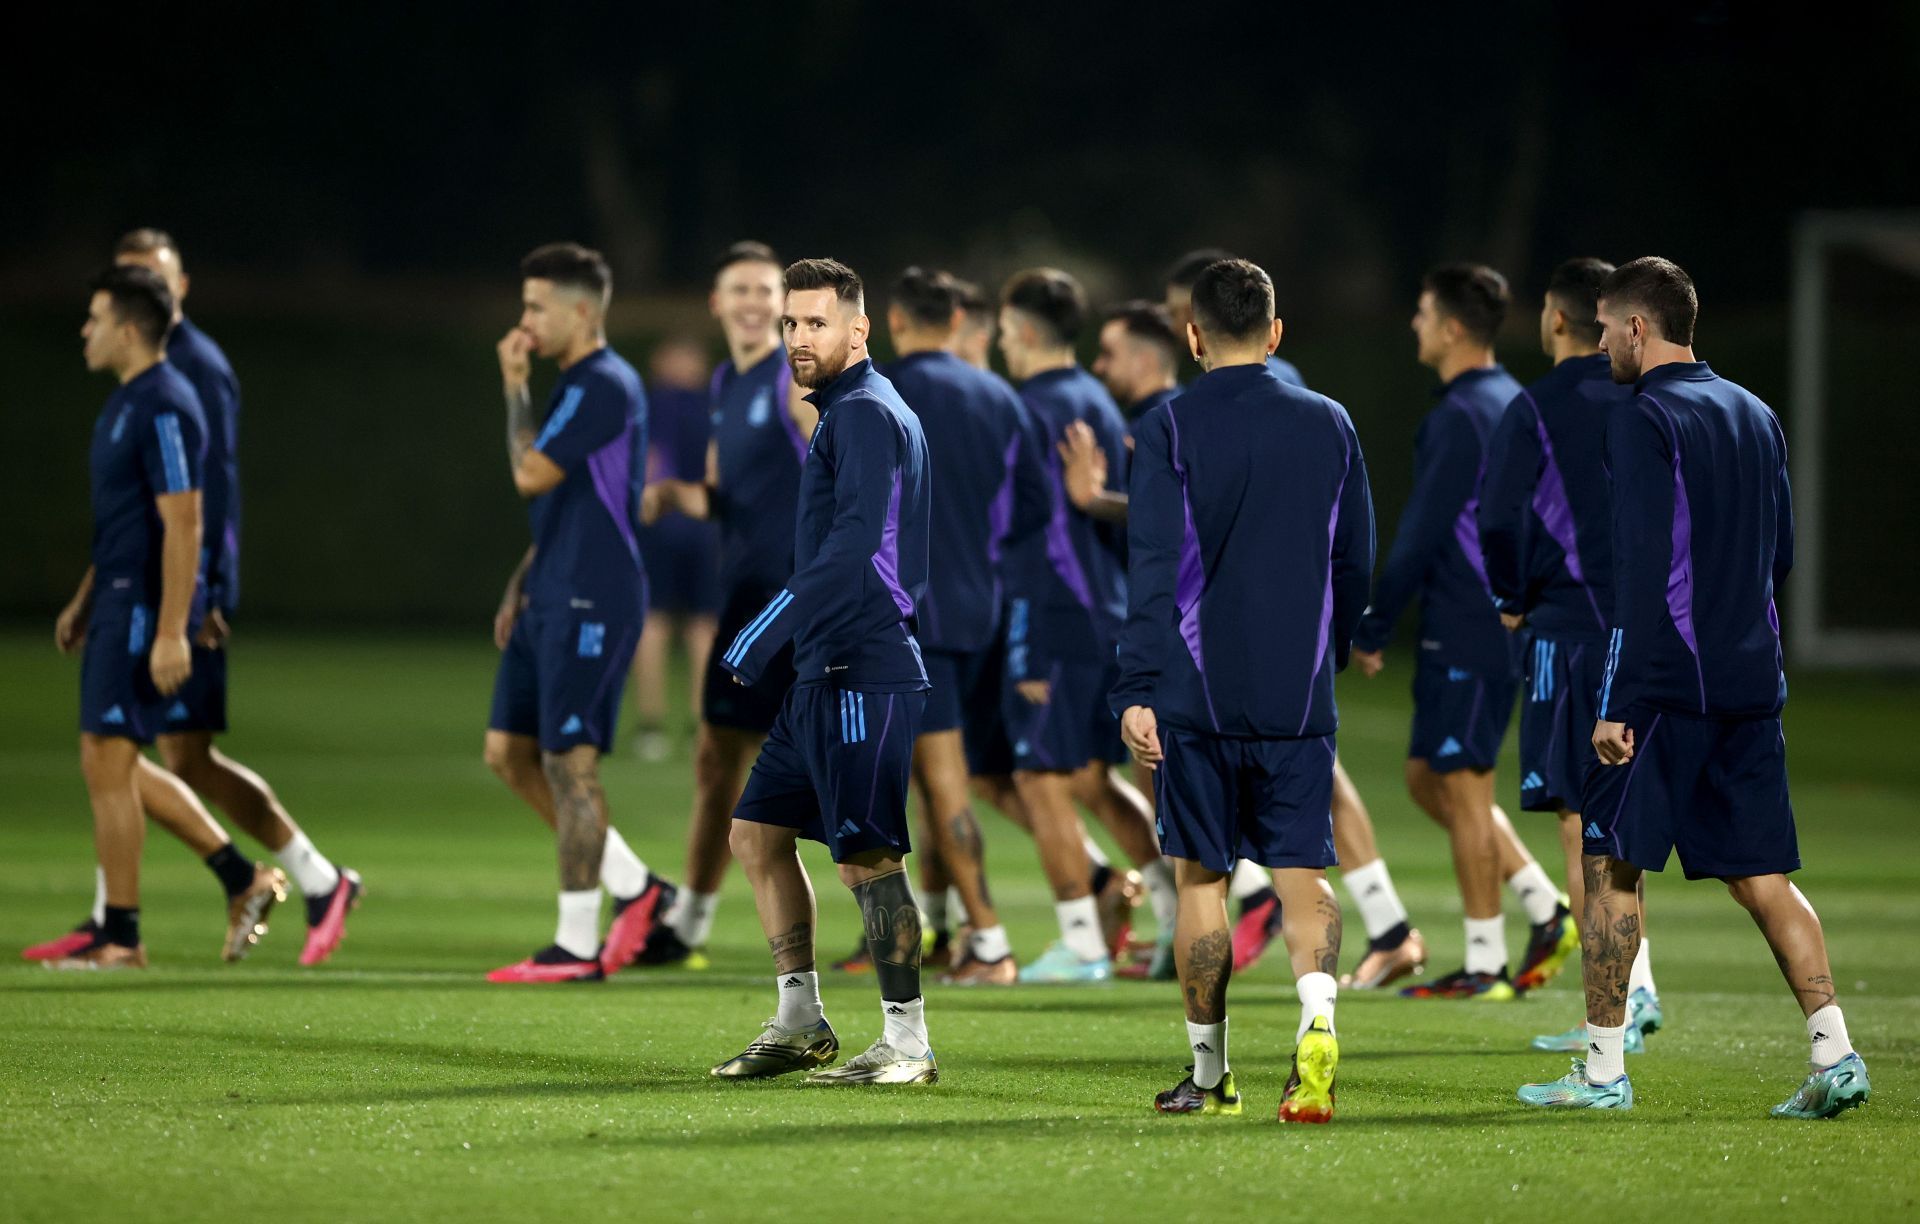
[(1680, 568), (1000, 509), (612, 469), (1191, 583), (1556, 513), (786, 419), (886, 562), (1326, 598), (1060, 554)]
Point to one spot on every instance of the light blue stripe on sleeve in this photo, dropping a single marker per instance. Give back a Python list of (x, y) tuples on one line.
[(744, 643), (569, 404), (173, 453)]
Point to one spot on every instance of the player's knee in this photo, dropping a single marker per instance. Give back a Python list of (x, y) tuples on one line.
[(1754, 893), (566, 771), (750, 845), (505, 759), (105, 763)]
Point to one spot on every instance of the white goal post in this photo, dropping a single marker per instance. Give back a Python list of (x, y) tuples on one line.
[(1817, 637)]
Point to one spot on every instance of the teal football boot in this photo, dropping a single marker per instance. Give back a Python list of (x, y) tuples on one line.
[(1575, 1091), (1829, 1092)]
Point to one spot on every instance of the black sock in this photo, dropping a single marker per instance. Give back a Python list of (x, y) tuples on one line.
[(122, 926), (1101, 874), (1389, 940), (235, 873)]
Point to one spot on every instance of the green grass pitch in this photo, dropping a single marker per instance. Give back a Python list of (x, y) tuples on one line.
[(394, 1083)]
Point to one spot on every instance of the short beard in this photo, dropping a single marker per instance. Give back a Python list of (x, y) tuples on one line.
[(1622, 372), (822, 372)]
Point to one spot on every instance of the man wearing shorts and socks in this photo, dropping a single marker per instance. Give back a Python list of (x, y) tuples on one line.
[(837, 764)]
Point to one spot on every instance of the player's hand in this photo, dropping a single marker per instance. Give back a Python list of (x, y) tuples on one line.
[(1038, 692), (1369, 661), (1613, 741), (1084, 464), (1141, 733), (70, 627), (503, 620), (655, 500), (516, 364), (1513, 621), (214, 630), (171, 663)]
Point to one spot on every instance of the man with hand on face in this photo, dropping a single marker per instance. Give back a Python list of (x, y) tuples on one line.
[(571, 619), (1250, 544), (1692, 756), (837, 765), (135, 606)]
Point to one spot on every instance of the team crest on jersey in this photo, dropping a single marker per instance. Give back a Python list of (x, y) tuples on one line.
[(761, 409)]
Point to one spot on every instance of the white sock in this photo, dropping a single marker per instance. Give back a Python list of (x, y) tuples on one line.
[(579, 929), (1247, 879), (1095, 855), (1606, 1057), (691, 916), (1317, 991), (933, 908), (621, 871), (1640, 977), (955, 901), (1208, 1042), (1080, 928), (1486, 944), (990, 944), (308, 867), (1161, 894), (799, 1000), (1372, 890), (99, 896), (1537, 894), (1828, 1030), (904, 1027)]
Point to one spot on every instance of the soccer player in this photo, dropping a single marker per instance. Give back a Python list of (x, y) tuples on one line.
[(836, 767), (569, 624), (678, 552), (1139, 356), (1545, 530), (1179, 300), (199, 711), (1463, 687), (992, 489), (973, 339), (1691, 752), (752, 490), (1250, 545), (135, 605), (1068, 601)]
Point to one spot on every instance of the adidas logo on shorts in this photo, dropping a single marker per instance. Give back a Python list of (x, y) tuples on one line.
[(1532, 781)]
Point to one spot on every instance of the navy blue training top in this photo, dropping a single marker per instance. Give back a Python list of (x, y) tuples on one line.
[(760, 453), (1436, 552), (1072, 572), (1702, 538), (1546, 512), (194, 354), (860, 547), (988, 486), (1251, 545), (149, 440), (584, 528)]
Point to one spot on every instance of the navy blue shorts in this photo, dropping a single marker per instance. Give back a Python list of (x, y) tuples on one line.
[(965, 697), (562, 675), (117, 697), (201, 703), (1713, 789), (1557, 709), (723, 701), (1217, 800), (1073, 727), (683, 571), (836, 768), (1459, 716)]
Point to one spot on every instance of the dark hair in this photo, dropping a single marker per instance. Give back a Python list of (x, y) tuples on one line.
[(139, 297), (1575, 288), (929, 297), (1188, 267), (145, 241), (1473, 295), (1149, 321), (1233, 298), (828, 274), (972, 300), (1661, 289), (744, 252), (1050, 297), (571, 265)]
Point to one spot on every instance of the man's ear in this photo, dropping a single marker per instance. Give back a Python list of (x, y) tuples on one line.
[(1195, 344), (862, 327), (1273, 336)]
